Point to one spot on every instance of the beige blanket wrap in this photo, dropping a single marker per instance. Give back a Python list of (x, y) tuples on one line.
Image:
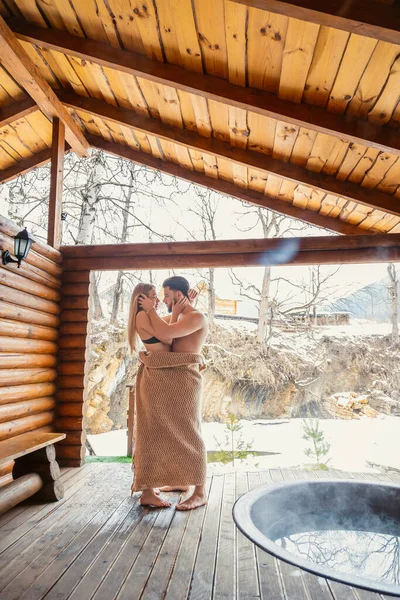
[(169, 449)]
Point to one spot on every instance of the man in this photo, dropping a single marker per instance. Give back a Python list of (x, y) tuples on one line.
[(179, 436)]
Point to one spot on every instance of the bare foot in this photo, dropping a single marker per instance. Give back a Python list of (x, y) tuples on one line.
[(149, 498), (194, 501), (171, 488)]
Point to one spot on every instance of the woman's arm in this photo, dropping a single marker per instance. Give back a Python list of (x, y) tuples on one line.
[(189, 324), (143, 321)]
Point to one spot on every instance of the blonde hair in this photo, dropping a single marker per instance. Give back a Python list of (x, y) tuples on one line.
[(134, 308)]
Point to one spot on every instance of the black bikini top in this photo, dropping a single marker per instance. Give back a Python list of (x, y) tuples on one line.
[(152, 340)]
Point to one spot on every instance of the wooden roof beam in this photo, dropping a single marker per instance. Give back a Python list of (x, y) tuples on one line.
[(378, 20), (17, 110), (248, 158), (225, 187), (14, 58), (304, 244), (27, 164), (212, 88), (284, 251)]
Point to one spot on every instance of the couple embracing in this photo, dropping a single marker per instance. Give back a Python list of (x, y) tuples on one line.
[(169, 451)]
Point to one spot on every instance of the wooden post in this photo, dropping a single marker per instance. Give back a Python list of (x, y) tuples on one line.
[(56, 183), (131, 419)]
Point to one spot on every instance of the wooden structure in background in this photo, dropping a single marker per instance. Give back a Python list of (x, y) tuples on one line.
[(289, 106)]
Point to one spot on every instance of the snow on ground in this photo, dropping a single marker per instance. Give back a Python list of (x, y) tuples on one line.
[(353, 443), (356, 327)]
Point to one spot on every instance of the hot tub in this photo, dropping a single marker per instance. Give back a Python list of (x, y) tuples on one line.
[(344, 530)]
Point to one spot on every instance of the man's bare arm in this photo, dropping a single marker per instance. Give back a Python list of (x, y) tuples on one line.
[(144, 322), (188, 324)]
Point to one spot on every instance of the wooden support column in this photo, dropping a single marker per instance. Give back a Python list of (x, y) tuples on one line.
[(56, 183)]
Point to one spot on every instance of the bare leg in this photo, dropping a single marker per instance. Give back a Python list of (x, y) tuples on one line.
[(150, 498), (171, 488), (156, 490), (198, 498)]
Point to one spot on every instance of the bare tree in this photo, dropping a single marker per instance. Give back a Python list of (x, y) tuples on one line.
[(118, 290), (272, 225), (394, 296), (205, 208)]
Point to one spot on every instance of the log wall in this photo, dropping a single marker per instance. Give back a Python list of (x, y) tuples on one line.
[(72, 366), (29, 333)]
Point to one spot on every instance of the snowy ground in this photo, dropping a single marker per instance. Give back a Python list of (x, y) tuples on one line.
[(356, 327), (353, 443)]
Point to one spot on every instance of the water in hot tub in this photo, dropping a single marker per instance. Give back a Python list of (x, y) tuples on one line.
[(373, 554)]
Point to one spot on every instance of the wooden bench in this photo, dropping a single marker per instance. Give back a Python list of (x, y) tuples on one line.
[(28, 466)]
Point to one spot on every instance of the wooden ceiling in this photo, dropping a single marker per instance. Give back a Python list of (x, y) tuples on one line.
[(291, 114)]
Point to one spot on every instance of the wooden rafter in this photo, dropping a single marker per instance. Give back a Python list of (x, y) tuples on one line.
[(226, 187), (234, 253), (17, 110), (23, 166), (27, 164), (378, 20), (56, 182), (14, 58), (247, 158), (212, 88)]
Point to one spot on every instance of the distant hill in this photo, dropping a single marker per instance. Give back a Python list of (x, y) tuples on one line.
[(370, 302)]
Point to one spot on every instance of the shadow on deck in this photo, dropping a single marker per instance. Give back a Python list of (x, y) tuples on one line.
[(99, 543)]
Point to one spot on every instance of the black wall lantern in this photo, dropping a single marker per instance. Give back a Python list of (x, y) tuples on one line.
[(22, 245)]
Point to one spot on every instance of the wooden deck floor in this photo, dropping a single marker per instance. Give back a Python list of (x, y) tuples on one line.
[(99, 543)]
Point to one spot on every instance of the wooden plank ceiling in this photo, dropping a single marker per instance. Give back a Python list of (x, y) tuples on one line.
[(278, 108)]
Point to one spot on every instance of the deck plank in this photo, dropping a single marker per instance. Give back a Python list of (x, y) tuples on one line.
[(181, 577), (247, 580), (204, 569), (225, 569)]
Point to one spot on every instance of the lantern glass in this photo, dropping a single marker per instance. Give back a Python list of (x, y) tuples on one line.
[(22, 244)]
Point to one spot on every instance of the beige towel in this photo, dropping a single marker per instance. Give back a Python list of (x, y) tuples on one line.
[(169, 449)]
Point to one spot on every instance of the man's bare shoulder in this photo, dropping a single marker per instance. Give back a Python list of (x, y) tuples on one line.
[(196, 315)]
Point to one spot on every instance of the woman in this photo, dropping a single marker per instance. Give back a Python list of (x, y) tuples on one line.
[(139, 326)]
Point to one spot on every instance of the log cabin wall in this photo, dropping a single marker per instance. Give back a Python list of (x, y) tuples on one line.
[(71, 393), (29, 331)]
